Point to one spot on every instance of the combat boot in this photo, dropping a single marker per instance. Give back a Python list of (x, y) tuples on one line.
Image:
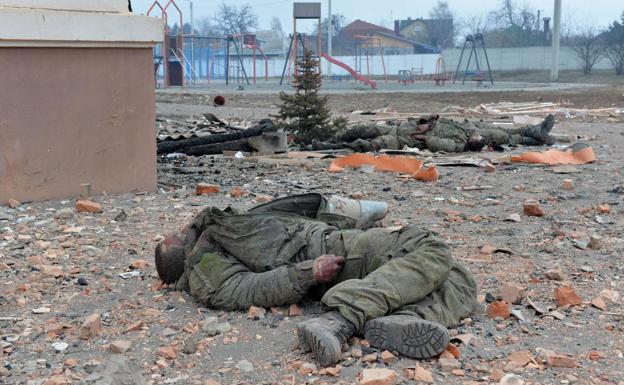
[(409, 335), (366, 213), (324, 336), (540, 132)]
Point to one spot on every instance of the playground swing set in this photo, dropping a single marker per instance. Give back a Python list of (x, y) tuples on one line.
[(179, 54), (176, 57), (474, 44)]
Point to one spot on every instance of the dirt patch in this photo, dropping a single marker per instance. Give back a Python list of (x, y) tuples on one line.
[(44, 308)]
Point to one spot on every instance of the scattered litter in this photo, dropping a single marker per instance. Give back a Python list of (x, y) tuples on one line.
[(571, 156), (130, 274), (402, 164)]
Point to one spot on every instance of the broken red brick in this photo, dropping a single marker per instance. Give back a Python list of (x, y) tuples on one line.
[(167, 352), (256, 313), (331, 371), (206, 189), (454, 351), (422, 375), (496, 374), (533, 209), (370, 357), (599, 303), (13, 203), (236, 192), (513, 293), (85, 206), (134, 327), (139, 264), (378, 377), (71, 362), (387, 357), (91, 327), (568, 184), (595, 355), (604, 209), (458, 372), (560, 361), (566, 296), (57, 380), (554, 275), (519, 359), (306, 369), (295, 311), (263, 198), (120, 346), (51, 270), (498, 309)]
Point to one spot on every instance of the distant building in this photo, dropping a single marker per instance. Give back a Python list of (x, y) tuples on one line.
[(436, 33), (272, 42), (361, 34)]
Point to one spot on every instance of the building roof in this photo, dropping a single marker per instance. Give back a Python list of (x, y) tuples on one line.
[(360, 27), (448, 23), (422, 46)]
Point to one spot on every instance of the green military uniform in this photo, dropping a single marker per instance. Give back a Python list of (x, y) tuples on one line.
[(451, 136), (264, 258), (443, 135)]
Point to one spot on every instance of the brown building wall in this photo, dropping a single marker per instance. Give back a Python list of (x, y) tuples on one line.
[(76, 115)]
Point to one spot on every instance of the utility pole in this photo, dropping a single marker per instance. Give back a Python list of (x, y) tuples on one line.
[(556, 40), (192, 44), (330, 34)]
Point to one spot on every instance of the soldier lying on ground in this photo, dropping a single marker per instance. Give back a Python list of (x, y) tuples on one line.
[(398, 287), (440, 134)]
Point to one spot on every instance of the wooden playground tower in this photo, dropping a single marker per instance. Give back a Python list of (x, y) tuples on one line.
[(312, 11), (303, 11)]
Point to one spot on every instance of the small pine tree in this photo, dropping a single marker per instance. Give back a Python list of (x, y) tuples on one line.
[(306, 113)]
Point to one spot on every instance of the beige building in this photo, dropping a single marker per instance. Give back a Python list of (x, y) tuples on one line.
[(77, 98)]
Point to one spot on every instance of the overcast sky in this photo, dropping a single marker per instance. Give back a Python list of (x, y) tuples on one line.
[(596, 12)]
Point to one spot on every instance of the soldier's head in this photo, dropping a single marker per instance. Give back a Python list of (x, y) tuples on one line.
[(476, 142), (169, 256)]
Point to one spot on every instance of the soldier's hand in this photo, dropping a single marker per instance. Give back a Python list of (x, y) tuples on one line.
[(326, 268)]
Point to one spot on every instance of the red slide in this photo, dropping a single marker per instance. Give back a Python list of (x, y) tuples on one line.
[(356, 75)]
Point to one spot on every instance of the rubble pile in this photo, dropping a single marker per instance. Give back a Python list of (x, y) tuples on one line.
[(81, 303)]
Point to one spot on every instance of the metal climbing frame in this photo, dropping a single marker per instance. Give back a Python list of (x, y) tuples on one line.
[(367, 45), (175, 49)]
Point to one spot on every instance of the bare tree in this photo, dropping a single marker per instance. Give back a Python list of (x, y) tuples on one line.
[(276, 25), (517, 25), (588, 47), (474, 24), (205, 27), (338, 23), (441, 31), (615, 45), (233, 20)]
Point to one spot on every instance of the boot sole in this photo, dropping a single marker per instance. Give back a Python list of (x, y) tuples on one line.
[(417, 338), (317, 344)]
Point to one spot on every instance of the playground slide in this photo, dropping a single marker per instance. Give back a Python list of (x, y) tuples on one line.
[(356, 75)]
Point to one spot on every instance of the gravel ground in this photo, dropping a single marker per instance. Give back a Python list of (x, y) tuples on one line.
[(61, 273)]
